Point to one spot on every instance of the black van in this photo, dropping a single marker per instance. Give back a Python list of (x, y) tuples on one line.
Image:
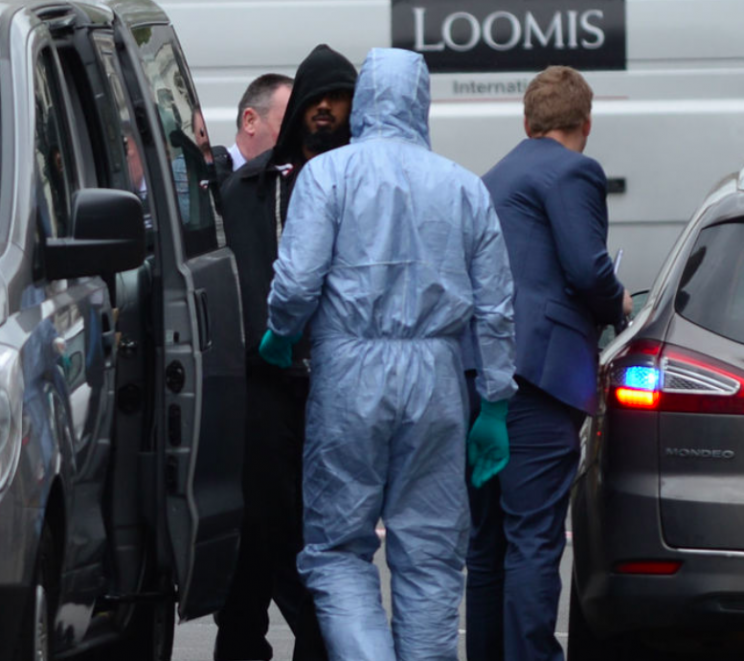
[(120, 338)]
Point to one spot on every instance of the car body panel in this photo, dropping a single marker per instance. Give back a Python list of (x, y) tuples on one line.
[(702, 455), (664, 126)]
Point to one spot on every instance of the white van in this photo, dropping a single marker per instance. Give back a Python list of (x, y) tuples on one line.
[(668, 77)]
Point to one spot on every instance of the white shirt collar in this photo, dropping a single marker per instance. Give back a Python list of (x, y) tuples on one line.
[(237, 158)]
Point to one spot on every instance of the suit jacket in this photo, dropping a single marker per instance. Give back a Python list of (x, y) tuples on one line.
[(551, 202)]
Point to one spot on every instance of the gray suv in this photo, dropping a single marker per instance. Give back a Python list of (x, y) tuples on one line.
[(658, 505), (120, 339)]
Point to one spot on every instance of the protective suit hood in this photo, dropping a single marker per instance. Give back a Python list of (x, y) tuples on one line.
[(392, 97)]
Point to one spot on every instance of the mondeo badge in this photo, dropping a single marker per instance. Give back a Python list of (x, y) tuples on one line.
[(699, 453)]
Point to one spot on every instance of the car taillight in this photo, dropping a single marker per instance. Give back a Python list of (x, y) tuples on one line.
[(659, 377), (648, 567), (637, 399)]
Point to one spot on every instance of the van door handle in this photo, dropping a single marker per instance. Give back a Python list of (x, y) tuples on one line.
[(202, 319)]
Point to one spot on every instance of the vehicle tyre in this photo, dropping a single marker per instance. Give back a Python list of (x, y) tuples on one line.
[(35, 643)]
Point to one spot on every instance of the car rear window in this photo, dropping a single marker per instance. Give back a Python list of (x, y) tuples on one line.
[(711, 291)]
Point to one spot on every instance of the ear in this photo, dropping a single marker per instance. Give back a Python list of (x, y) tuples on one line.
[(527, 128), (586, 127), (250, 116)]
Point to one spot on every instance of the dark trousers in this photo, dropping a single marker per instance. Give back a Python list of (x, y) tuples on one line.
[(272, 526), (518, 534)]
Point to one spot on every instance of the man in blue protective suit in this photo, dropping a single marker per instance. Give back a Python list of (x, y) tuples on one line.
[(551, 200), (389, 252)]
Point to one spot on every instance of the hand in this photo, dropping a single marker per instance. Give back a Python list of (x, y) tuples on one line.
[(276, 349), (627, 303), (488, 442)]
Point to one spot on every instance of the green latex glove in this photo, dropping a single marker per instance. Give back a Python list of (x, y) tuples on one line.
[(276, 349), (488, 442)]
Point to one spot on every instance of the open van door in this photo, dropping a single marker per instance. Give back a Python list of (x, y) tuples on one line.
[(199, 342)]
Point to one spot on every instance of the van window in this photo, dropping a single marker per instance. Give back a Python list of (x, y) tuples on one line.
[(133, 176), (186, 136), (53, 154), (83, 117), (711, 291)]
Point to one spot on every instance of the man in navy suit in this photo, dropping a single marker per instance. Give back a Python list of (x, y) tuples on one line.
[(551, 202)]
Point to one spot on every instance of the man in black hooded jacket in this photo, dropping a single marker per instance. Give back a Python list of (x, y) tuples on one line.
[(255, 200)]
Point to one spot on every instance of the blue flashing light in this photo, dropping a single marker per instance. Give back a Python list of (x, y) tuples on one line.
[(641, 378)]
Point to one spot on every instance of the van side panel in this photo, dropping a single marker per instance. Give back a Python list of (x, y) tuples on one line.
[(666, 128)]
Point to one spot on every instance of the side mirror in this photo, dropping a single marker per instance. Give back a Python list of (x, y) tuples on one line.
[(108, 236)]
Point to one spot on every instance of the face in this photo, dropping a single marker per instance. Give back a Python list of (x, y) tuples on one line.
[(260, 132), (328, 113)]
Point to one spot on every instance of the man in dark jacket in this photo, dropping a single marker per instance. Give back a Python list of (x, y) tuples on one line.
[(255, 200), (551, 201)]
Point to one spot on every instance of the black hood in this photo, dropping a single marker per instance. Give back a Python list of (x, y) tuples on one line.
[(324, 70)]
